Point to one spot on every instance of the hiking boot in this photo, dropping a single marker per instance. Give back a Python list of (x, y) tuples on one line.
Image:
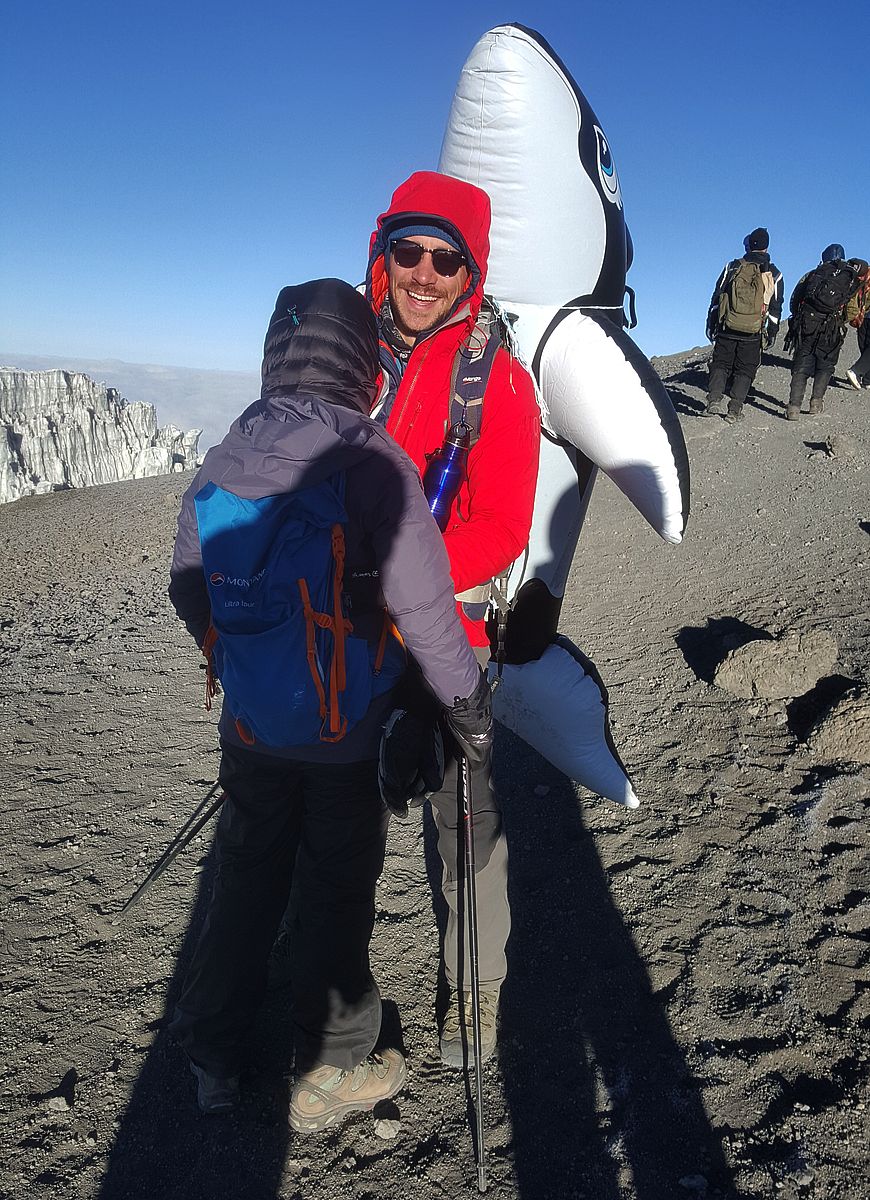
[(325, 1095), (815, 407), (854, 380), (715, 408), (214, 1094), (792, 412), (457, 1032)]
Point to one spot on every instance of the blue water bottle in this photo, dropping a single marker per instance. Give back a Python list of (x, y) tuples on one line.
[(445, 472)]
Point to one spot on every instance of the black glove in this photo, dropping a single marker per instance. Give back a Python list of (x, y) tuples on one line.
[(470, 722), (411, 761), (770, 335)]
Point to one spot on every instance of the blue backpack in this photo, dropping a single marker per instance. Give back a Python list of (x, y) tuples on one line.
[(280, 642)]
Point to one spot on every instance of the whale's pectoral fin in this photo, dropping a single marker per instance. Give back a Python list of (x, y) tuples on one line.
[(558, 704), (600, 393)]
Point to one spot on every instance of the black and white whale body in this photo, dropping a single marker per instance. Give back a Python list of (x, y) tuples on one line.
[(520, 128)]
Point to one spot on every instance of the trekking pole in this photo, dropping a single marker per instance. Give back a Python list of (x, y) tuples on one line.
[(183, 838), (471, 904)]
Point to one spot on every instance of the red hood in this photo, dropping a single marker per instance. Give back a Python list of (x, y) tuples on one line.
[(462, 206)]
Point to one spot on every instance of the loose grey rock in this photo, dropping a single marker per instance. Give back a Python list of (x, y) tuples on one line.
[(840, 445), (387, 1129), (694, 1183), (780, 668)]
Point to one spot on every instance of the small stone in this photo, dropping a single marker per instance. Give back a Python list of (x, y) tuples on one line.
[(387, 1129), (694, 1183), (804, 1179), (58, 1104), (542, 790)]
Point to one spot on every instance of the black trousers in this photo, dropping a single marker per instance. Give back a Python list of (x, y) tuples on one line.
[(327, 825), (735, 359), (816, 360)]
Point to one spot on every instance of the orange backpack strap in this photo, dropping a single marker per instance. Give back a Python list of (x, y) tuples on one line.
[(208, 645), (339, 626)]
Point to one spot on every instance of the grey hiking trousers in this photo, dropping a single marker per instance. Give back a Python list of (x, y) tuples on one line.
[(491, 862)]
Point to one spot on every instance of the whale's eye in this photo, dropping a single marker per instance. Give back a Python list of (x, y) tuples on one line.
[(606, 170)]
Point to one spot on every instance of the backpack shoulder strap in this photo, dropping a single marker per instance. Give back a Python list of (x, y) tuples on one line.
[(472, 368)]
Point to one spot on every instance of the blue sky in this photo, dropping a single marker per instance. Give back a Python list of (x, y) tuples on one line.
[(168, 167)]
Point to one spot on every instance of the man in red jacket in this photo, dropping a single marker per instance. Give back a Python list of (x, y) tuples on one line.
[(427, 267)]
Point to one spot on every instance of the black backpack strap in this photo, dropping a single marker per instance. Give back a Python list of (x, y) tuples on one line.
[(470, 376)]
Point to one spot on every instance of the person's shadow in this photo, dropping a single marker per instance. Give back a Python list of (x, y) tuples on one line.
[(596, 1085), (164, 1149)]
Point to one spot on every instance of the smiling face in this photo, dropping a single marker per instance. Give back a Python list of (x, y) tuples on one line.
[(420, 298)]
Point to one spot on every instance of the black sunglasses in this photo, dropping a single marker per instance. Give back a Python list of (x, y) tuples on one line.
[(409, 254)]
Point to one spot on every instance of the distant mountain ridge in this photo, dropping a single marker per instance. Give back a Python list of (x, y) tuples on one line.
[(60, 429), (188, 397)]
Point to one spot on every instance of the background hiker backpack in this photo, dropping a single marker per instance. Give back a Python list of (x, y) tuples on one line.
[(280, 641), (830, 286), (744, 299)]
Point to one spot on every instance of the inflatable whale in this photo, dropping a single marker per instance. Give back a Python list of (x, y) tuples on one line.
[(521, 129)]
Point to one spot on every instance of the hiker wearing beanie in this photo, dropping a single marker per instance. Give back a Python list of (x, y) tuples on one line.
[(817, 327), (302, 538), (744, 314), (858, 316), (427, 266)]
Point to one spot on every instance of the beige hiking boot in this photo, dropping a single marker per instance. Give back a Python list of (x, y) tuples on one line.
[(326, 1095), (457, 1032)]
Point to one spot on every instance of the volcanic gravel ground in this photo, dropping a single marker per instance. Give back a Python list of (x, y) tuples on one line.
[(687, 1008)]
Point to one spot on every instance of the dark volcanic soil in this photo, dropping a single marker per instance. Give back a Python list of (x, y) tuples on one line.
[(687, 1009)]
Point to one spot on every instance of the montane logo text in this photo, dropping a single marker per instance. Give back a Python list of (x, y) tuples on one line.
[(218, 579)]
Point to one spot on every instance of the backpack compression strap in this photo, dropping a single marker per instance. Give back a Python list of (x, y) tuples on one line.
[(338, 625)]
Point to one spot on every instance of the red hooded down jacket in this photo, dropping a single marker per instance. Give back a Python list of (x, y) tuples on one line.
[(489, 526)]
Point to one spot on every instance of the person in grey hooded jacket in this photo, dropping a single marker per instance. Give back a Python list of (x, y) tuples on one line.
[(314, 812)]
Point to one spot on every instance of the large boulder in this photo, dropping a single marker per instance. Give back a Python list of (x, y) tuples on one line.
[(778, 668)]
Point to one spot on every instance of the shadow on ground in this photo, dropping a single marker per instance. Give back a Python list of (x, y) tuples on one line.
[(597, 1088), (803, 712), (704, 647), (165, 1150)]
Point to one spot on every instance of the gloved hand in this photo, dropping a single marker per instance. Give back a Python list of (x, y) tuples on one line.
[(710, 333), (411, 761), (470, 722), (770, 335)]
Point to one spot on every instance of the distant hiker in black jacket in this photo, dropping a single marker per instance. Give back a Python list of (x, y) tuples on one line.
[(308, 808), (744, 313), (817, 326)]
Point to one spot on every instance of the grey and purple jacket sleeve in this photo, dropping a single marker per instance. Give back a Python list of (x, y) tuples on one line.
[(187, 589)]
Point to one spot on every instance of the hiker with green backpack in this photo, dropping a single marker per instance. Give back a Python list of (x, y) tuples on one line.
[(309, 569), (743, 316), (817, 326)]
